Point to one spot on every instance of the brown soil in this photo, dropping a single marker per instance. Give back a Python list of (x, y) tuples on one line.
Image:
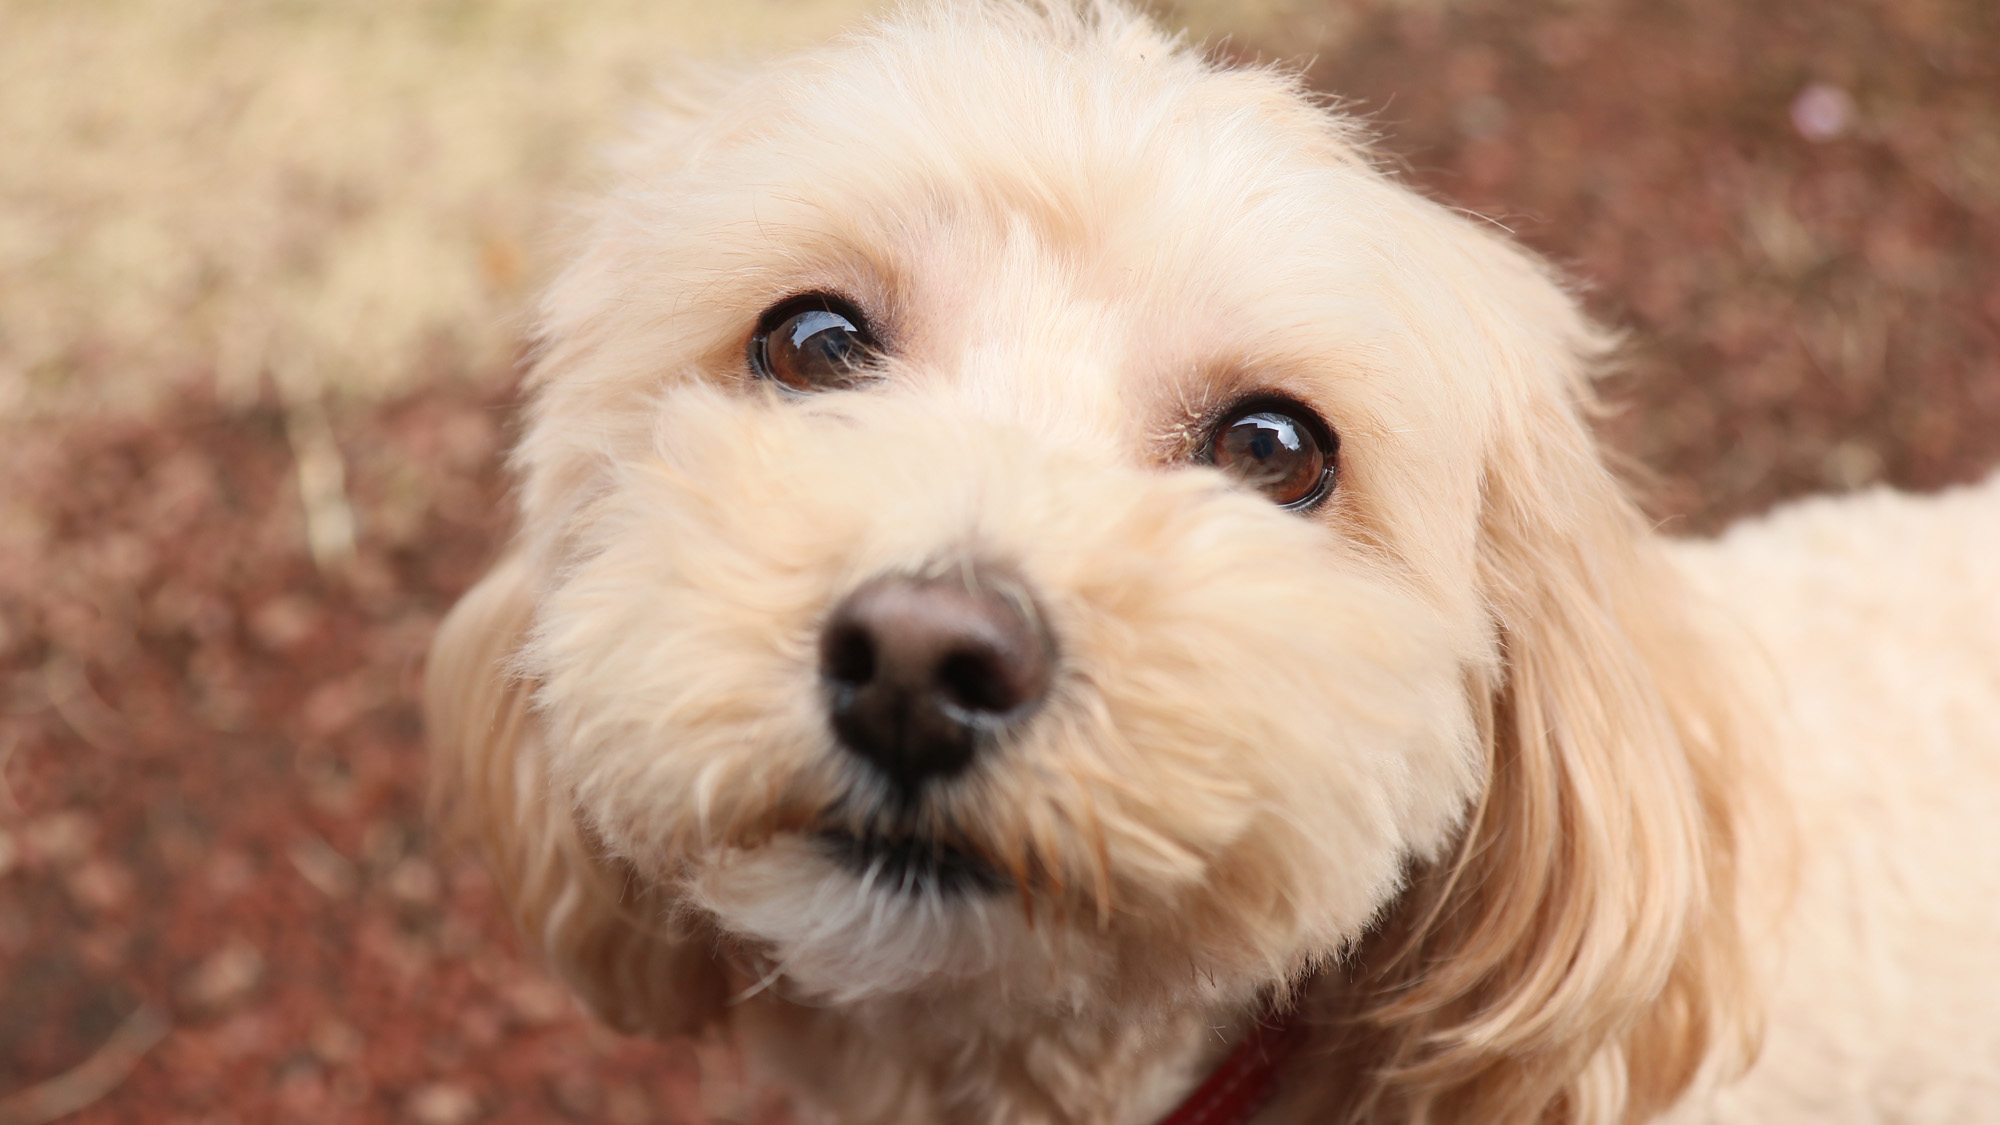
[(211, 751)]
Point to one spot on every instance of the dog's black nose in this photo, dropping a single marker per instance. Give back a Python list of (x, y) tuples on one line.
[(920, 670)]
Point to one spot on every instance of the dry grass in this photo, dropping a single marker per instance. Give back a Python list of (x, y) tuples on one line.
[(348, 193)]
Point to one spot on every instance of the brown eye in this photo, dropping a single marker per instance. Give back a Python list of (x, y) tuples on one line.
[(812, 343), (1280, 449)]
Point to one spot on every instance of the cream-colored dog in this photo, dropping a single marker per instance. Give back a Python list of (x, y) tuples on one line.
[(1050, 589)]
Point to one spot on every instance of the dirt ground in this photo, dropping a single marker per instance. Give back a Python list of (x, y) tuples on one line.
[(213, 859)]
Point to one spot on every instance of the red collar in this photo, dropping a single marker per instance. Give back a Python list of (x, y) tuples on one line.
[(1246, 1079)]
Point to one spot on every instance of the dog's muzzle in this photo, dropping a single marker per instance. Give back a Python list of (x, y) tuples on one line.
[(923, 673)]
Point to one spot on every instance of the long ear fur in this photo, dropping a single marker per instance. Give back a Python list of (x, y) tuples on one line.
[(634, 963), (1579, 956)]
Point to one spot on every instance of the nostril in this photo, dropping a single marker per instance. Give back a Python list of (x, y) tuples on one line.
[(977, 681), (848, 656), (919, 673)]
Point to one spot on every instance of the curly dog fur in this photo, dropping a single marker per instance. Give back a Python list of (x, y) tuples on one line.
[(1526, 813)]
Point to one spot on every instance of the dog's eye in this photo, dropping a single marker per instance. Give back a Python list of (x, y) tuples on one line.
[(812, 343), (1279, 448)]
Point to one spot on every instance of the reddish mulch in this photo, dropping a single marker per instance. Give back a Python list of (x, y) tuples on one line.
[(211, 752), (216, 796)]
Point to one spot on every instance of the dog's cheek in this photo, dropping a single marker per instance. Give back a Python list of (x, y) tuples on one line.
[(678, 696), (1285, 728)]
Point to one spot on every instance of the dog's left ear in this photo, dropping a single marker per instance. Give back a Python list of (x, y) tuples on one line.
[(638, 965), (1580, 955)]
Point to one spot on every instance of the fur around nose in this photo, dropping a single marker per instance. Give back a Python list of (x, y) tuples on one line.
[(920, 670)]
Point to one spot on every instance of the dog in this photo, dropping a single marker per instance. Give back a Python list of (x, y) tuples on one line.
[(1051, 589)]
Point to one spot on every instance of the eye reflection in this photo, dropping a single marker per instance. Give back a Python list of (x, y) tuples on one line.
[(1283, 451), (812, 343)]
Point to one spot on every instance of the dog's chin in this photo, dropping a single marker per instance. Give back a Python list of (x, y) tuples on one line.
[(845, 918)]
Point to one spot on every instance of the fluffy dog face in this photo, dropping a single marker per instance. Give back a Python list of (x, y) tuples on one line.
[(1261, 460), (1256, 715)]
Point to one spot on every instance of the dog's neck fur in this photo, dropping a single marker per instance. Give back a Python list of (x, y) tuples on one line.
[(944, 1063)]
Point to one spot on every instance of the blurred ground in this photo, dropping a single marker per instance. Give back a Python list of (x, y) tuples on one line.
[(220, 560)]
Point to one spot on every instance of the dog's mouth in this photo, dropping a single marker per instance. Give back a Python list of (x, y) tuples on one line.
[(910, 864)]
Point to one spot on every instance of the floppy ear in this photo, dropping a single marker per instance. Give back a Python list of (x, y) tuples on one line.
[(637, 964), (1579, 955)]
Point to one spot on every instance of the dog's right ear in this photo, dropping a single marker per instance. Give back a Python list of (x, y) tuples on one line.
[(632, 959)]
